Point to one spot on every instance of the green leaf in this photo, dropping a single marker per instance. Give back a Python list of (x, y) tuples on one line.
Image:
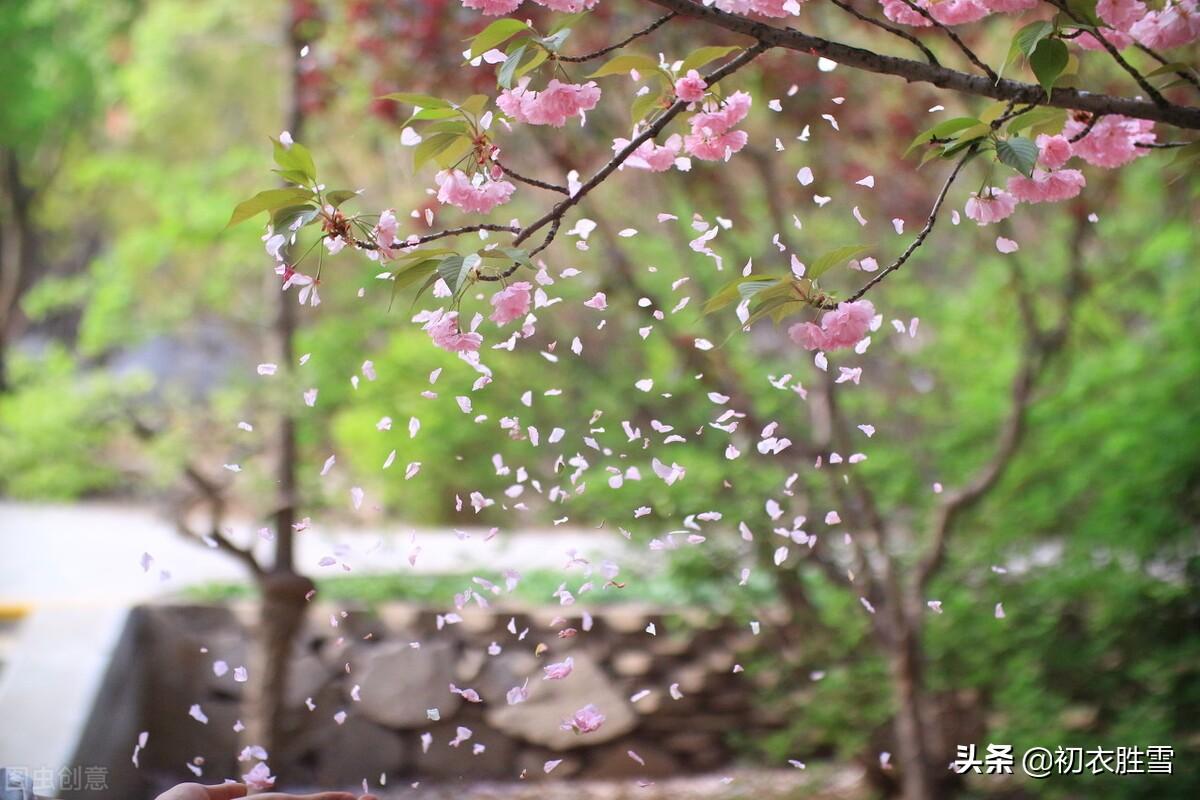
[(1185, 161), (496, 34), (268, 200), (474, 105), (624, 64), (295, 158), (282, 218), (1029, 37), (411, 273), (455, 270), (1019, 153), (431, 146), (450, 155), (554, 42), (1049, 61), (732, 291), (942, 130), (567, 21), (643, 106), (504, 77), (293, 176), (834, 258), (339, 196), (1085, 10), (435, 113), (1172, 68), (704, 55), (1042, 119), (419, 100), (538, 59)]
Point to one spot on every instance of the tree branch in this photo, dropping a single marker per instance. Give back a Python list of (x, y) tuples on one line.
[(954, 37), (942, 77), (657, 127), (917, 242), (892, 29), (653, 26)]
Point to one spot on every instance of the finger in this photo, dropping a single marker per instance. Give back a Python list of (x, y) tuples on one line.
[(226, 791)]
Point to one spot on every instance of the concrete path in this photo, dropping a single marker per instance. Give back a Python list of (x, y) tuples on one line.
[(91, 553)]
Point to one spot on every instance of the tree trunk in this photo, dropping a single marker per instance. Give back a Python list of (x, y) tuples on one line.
[(921, 773), (284, 594), (15, 244)]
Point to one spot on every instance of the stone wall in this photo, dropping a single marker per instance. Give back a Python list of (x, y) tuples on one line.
[(399, 682)]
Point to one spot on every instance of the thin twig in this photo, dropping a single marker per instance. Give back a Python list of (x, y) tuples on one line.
[(653, 26), (655, 128), (919, 240), (550, 187), (954, 37), (1138, 77), (892, 29), (1091, 123)]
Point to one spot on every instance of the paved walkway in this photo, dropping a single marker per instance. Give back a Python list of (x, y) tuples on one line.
[(91, 553)]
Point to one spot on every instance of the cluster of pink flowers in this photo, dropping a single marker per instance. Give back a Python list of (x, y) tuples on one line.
[(585, 720), (1047, 186), (1177, 23), (444, 331), (1112, 142), (511, 302), (651, 156), (991, 206), (845, 326), (494, 8), (712, 137), (776, 9), (553, 106), (691, 87), (385, 230), (474, 195)]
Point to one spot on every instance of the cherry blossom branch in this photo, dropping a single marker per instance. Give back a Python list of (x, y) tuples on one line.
[(1185, 74), (651, 28), (655, 128), (550, 187), (920, 238), (954, 37), (892, 29), (1091, 123), (917, 71), (1138, 77), (212, 494), (432, 237)]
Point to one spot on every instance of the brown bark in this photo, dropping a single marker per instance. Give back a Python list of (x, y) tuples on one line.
[(16, 240), (284, 593), (922, 72)]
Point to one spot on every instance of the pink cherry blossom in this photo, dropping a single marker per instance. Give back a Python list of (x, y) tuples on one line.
[(1053, 151), (1112, 141), (598, 301), (651, 156), (958, 12), (707, 147), (901, 12), (1177, 24), (511, 302), (1088, 41), (1120, 14), (776, 9), (845, 326), (1008, 6), (992, 206), (552, 106), (259, 777), (493, 8), (443, 329), (385, 229), (475, 196), (568, 6), (585, 720), (711, 138), (691, 87), (558, 671), (1047, 187)]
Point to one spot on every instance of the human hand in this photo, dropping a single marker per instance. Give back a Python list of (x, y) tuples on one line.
[(231, 791)]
